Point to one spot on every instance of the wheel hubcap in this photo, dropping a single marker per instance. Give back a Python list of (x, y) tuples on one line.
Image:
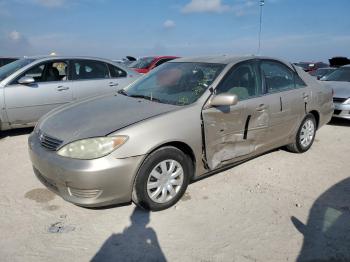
[(165, 181), (307, 133)]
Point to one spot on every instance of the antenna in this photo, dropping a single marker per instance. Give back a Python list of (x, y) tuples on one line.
[(262, 3)]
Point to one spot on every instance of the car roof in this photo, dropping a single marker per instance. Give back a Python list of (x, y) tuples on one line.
[(49, 57), (223, 59), (159, 57), (9, 57)]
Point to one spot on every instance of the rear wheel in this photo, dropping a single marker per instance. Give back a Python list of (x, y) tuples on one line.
[(305, 135), (162, 179)]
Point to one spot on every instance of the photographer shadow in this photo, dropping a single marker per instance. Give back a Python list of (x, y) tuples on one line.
[(327, 232), (136, 243)]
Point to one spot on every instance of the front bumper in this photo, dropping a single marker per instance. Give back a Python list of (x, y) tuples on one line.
[(341, 111), (91, 183)]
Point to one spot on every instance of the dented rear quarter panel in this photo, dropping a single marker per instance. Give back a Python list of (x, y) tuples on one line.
[(321, 97)]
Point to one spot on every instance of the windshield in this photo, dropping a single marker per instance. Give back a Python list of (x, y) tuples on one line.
[(10, 68), (175, 83), (341, 74), (141, 63)]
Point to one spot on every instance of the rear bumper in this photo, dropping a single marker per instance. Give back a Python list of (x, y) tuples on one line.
[(341, 111), (91, 183)]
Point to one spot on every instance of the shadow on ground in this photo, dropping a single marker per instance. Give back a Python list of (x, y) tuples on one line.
[(16, 132), (339, 122), (327, 232), (136, 243)]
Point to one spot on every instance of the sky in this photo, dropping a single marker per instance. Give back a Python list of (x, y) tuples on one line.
[(296, 30)]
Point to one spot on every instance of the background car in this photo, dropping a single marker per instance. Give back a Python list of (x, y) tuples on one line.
[(339, 80), (7, 60), (311, 67), (184, 120), (145, 64), (126, 61), (31, 87), (321, 72), (338, 61)]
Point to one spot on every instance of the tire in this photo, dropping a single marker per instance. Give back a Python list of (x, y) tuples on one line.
[(164, 169), (305, 135)]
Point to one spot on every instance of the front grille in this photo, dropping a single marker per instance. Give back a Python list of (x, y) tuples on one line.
[(49, 142), (337, 112), (339, 100)]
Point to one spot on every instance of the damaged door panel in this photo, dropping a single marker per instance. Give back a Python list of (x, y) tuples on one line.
[(223, 130), (234, 131)]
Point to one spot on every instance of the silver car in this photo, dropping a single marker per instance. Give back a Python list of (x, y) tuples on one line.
[(187, 119), (31, 87), (339, 81)]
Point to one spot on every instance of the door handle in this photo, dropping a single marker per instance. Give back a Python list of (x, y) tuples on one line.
[(62, 88), (261, 107), (113, 84), (305, 96)]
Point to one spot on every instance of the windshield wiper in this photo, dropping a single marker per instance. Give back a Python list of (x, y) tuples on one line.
[(147, 98)]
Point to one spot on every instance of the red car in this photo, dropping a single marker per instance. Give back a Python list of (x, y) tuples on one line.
[(145, 64)]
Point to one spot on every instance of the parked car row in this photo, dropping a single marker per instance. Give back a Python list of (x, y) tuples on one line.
[(186, 119), (339, 81), (31, 87), (145, 64), (320, 69)]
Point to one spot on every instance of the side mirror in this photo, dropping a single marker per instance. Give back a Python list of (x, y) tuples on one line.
[(224, 99), (26, 80)]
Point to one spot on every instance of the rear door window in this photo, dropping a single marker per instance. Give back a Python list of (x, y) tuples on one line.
[(89, 69), (278, 77)]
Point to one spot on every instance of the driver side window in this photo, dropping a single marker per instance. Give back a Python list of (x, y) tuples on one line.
[(46, 72), (242, 81), (37, 72)]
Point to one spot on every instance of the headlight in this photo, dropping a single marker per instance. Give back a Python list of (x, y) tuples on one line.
[(92, 147)]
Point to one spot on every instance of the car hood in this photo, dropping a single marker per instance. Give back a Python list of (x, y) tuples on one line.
[(99, 116), (341, 89)]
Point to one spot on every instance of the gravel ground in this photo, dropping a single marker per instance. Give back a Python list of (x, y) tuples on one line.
[(276, 207)]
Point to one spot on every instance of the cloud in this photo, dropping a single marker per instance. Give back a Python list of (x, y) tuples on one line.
[(15, 36), (238, 8), (169, 24), (14, 44), (205, 6)]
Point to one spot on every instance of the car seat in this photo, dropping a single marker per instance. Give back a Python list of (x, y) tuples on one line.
[(53, 74)]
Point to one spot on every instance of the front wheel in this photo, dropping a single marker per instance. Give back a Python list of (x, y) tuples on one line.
[(305, 135), (162, 179)]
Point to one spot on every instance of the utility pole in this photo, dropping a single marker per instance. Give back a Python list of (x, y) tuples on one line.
[(262, 3)]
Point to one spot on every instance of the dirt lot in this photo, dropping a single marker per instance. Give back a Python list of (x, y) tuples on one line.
[(277, 207)]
